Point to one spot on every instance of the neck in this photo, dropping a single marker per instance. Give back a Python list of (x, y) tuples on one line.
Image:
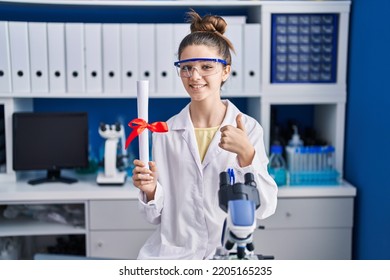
[(207, 114)]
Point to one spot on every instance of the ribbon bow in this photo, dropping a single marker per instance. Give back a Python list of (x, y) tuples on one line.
[(138, 125)]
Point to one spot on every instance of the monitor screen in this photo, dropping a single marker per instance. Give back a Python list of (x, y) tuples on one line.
[(50, 141)]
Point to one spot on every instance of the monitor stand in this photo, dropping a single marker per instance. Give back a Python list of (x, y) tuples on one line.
[(53, 176)]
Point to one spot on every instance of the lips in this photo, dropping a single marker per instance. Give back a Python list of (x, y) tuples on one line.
[(197, 86)]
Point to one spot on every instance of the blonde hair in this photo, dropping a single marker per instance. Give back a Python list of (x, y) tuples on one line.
[(208, 31)]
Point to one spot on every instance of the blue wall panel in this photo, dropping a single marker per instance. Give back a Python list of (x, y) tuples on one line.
[(368, 127)]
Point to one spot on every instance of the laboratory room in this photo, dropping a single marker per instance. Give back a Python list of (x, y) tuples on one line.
[(112, 146)]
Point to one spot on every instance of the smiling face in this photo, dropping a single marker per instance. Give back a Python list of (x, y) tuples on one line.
[(208, 87)]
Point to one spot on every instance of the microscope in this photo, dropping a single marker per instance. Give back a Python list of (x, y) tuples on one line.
[(239, 201), (111, 175)]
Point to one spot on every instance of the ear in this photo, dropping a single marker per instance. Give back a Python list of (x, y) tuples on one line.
[(226, 72)]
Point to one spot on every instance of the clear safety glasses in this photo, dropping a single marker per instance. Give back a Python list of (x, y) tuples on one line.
[(204, 66)]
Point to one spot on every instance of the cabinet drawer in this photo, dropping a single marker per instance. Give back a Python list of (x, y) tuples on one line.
[(117, 244), (311, 213), (305, 244), (116, 214)]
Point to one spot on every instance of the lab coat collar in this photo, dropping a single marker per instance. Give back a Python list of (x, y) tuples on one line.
[(230, 119), (183, 122)]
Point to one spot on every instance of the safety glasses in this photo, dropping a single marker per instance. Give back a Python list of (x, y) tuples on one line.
[(204, 66)]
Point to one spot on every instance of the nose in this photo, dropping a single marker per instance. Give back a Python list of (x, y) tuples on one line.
[(197, 75)]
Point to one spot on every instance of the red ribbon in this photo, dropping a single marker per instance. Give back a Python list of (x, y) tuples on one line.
[(138, 125)]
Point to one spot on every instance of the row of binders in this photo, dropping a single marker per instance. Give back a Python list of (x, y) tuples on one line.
[(82, 58)]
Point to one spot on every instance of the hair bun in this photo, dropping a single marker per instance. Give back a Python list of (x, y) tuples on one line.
[(210, 23)]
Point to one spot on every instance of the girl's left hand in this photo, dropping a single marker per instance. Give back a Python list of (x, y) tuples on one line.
[(235, 140)]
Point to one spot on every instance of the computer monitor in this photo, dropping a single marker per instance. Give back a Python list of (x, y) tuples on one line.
[(50, 141)]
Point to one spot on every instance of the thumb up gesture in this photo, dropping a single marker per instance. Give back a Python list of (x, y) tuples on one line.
[(235, 140)]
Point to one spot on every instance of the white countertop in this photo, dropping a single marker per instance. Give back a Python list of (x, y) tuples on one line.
[(87, 189), (343, 190)]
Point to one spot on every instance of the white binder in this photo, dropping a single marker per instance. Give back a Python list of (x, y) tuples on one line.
[(93, 57), (111, 58), (129, 48), (180, 30), (251, 54), (20, 60), (165, 53), (5, 63), (39, 68), (56, 45), (74, 54), (234, 84), (147, 56)]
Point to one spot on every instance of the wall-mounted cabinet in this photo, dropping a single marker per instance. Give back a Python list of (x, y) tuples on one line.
[(306, 49)]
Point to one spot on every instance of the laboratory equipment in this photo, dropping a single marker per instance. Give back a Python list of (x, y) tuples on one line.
[(312, 165), (111, 175), (239, 201), (295, 140), (277, 166)]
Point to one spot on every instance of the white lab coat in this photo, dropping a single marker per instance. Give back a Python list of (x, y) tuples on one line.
[(186, 206)]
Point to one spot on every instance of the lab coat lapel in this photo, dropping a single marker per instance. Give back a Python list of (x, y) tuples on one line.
[(189, 137), (183, 123), (214, 149)]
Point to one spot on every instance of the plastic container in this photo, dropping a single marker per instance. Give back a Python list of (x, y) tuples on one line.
[(295, 140), (277, 166), (312, 165)]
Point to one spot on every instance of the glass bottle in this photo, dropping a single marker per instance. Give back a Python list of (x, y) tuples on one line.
[(277, 167)]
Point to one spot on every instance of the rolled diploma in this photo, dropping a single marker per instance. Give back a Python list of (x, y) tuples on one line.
[(142, 107)]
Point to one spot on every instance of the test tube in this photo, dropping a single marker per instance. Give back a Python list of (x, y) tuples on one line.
[(331, 158)]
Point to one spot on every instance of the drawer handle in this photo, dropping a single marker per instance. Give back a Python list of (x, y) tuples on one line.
[(288, 214), (100, 244), (261, 227)]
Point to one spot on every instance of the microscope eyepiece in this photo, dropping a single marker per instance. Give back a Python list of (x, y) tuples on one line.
[(224, 179), (117, 126), (250, 179), (103, 126)]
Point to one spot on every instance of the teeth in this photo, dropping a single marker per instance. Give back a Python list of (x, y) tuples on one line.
[(197, 86)]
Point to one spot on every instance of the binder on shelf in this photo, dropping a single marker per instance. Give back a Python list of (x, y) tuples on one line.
[(111, 58), (74, 54), (235, 20), (39, 68), (251, 53), (129, 48), (147, 56), (234, 84), (20, 60), (93, 57), (5, 63), (180, 30), (165, 53), (56, 46)]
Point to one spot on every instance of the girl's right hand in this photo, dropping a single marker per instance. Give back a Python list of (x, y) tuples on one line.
[(145, 179)]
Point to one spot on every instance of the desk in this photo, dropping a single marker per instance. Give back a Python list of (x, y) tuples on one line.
[(113, 226), (310, 222)]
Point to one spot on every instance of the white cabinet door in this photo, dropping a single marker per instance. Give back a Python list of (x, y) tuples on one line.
[(312, 212), (307, 228), (117, 229), (305, 243), (117, 214), (117, 244)]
